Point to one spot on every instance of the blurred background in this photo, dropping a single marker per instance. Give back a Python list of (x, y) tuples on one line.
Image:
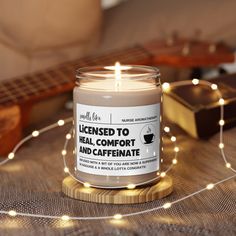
[(35, 35), (42, 43)]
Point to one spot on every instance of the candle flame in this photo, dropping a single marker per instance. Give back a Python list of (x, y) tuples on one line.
[(117, 68), (117, 71), (117, 76)]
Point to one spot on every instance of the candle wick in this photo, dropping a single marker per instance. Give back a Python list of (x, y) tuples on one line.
[(117, 75), (117, 71)]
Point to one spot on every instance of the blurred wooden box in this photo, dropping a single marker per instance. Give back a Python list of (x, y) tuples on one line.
[(196, 109)]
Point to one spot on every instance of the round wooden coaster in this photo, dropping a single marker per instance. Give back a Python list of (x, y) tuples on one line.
[(76, 190)]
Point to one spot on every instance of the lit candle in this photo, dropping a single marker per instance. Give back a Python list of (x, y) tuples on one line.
[(117, 112)]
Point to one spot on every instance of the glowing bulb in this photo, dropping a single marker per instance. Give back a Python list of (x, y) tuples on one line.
[(173, 138), (221, 101), (35, 133), (167, 205), (12, 213), (214, 87), (65, 218), (61, 122), (87, 185), (174, 161), (228, 165), (163, 174), (158, 173), (166, 87), (131, 186), (221, 122), (210, 186), (221, 145), (117, 216), (68, 136), (66, 169), (176, 149), (11, 155), (167, 129), (195, 81), (63, 152)]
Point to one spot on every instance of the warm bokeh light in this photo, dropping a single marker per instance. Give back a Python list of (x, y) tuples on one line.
[(35, 133), (167, 205), (61, 122), (11, 155), (166, 87), (210, 186), (195, 81)]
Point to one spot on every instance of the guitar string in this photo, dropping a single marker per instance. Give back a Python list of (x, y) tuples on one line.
[(46, 78)]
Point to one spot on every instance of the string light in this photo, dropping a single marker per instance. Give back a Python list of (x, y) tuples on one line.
[(12, 213), (65, 218), (63, 152), (176, 149), (11, 155), (167, 205), (221, 101), (210, 186), (61, 122), (35, 133), (221, 145), (131, 186), (221, 122), (167, 129), (195, 81), (117, 216), (66, 169), (173, 138), (174, 161), (166, 87), (228, 165), (163, 174), (214, 87), (87, 185)]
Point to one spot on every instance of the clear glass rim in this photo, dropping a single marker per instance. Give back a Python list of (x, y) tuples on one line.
[(137, 72)]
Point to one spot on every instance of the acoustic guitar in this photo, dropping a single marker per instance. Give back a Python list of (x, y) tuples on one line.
[(18, 95)]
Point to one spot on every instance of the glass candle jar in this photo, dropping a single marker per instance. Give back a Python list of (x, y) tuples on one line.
[(117, 116)]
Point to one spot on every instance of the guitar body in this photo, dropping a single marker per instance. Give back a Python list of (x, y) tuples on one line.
[(10, 128)]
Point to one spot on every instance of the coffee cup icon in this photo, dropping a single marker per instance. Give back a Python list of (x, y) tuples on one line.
[(147, 134), (148, 138)]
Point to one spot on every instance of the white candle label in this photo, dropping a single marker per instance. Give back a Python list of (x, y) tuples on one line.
[(118, 141)]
